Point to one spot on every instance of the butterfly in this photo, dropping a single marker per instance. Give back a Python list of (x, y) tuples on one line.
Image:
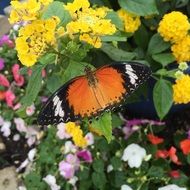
[(97, 91)]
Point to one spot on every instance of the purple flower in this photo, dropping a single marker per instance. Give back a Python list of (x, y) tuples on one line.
[(188, 134), (132, 125), (73, 159), (6, 40), (85, 155), (66, 169), (2, 64)]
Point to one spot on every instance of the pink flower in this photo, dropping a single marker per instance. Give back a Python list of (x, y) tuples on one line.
[(17, 106), (66, 169), (85, 155), (2, 64), (61, 133), (4, 81), (44, 99), (19, 79), (89, 138), (4, 40), (20, 124), (30, 110), (73, 159), (44, 73), (9, 97)]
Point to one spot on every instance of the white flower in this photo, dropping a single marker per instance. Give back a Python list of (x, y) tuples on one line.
[(126, 187), (16, 137), (20, 124), (73, 180), (51, 181), (61, 133), (69, 147), (134, 154), (172, 187), (22, 188), (32, 154), (30, 110), (109, 168), (23, 165), (1, 120), (89, 138), (5, 129)]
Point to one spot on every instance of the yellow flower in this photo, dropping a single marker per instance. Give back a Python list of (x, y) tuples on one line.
[(76, 133), (27, 10), (45, 2), (76, 6), (181, 90), (131, 22), (94, 41), (181, 50), (34, 39), (88, 23), (174, 26)]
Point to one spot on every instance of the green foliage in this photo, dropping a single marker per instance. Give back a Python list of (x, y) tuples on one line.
[(157, 45), (34, 86), (139, 7), (164, 58), (117, 54), (104, 125), (57, 9), (162, 95)]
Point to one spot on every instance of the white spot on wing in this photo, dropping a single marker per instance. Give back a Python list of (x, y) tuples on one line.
[(58, 109), (131, 73)]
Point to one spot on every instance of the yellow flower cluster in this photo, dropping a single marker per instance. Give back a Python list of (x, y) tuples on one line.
[(90, 24), (174, 26), (27, 10), (181, 90), (131, 21), (76, 133), (181, 50), (34, 39)]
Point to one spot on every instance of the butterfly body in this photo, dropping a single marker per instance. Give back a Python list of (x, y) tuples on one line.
[(93, 93)]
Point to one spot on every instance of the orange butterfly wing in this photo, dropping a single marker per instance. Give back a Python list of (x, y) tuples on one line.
[(88, 100)]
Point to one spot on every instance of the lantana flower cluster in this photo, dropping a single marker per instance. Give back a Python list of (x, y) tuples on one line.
[(174, 27), (131, 21), (89, 23), (38, 36)]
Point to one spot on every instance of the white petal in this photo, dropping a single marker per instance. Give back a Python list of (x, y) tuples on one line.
[(126, 187)]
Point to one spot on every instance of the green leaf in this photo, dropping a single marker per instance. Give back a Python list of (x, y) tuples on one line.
[(56, 8), (98, 166), (53, 83), (117, 54), (116, 163), (162, 96), (117, 178), (164, 58), (139, 7), (99, 180), (113, 16), (74, 69), (47, 59), (104, 125), (33, 86), (141, 41), (155, 171), (114, 38), (157, 44)]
